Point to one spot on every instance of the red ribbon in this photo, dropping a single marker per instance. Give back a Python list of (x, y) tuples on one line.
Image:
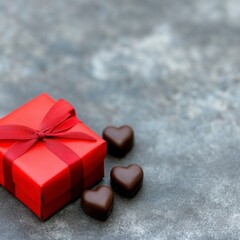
[(55, 125)]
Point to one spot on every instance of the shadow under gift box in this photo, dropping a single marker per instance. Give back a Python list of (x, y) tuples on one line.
[(42, 180)]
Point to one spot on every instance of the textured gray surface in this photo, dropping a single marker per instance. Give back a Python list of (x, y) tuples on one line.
[(169, 68)]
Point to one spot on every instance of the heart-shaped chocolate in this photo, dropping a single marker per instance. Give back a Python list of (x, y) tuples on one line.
[(98, 203), (127, 180), (119, 139)]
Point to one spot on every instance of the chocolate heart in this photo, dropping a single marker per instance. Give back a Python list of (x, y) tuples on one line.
[(119, 140), (127, 180), (98, 203)]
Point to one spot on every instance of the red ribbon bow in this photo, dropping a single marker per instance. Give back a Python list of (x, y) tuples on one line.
[(60, 118)]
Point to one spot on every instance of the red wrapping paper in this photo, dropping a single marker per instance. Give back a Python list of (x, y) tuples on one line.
[(42, 180)]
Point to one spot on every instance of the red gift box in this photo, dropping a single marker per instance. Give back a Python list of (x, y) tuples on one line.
[(48, 156)]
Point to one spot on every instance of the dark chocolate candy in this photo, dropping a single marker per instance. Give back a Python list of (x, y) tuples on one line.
[(98, 203), (119, 139), (127, 180)]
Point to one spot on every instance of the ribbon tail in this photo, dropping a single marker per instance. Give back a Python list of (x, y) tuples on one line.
[(73, 161), (73, 135), (14, 152)]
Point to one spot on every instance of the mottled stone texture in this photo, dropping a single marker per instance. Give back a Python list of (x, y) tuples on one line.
[(170, 69)]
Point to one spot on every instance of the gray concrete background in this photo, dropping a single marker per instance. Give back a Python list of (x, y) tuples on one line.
[(169, 68)]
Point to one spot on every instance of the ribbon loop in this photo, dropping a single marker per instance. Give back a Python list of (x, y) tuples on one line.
[(59, 112)]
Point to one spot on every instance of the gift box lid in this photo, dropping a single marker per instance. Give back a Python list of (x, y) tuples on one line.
[(39, 170)]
